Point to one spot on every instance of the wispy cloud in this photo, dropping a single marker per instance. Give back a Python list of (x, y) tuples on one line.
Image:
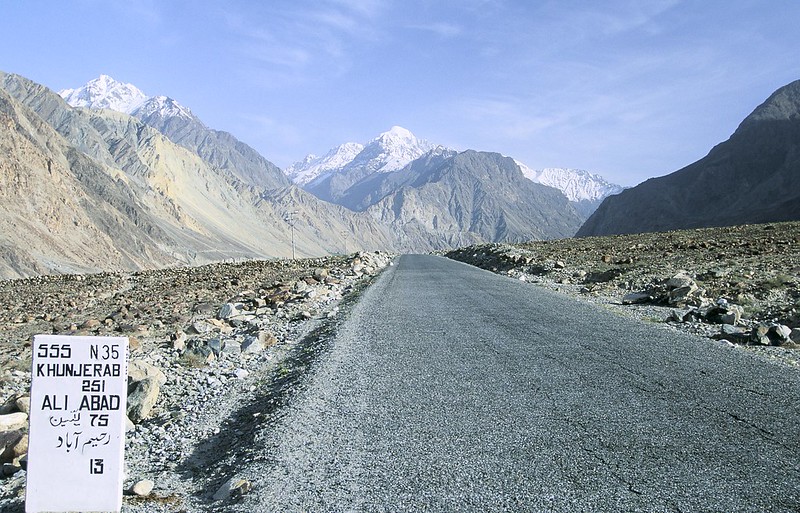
[(299, 43), (442, 29)]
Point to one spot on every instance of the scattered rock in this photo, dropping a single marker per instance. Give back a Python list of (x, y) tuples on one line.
[(197, 354), (233, 489), (91, 324), (13, 421), (636, 298), (9, 469), (771, 335), (139, 370), (724, 313), (680, 289), (143, 488), (23, 404), (201, 389), (15, 449), (178, 340), (216, 345), (227, 311), (142, 396)]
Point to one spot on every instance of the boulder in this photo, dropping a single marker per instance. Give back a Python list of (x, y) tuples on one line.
[(23, 404), (216, 345), (198, 353), (234, 488), (724, 313), (679, 281), (16, 449), (227, 311), (267, 338), (771, 335), (232, 347), (139, 370), (635, 298), (178, 340), (680, 288), (143, 488), (13, 421), (142, 396)]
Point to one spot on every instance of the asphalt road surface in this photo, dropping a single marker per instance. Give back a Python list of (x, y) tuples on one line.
[(452, 389)]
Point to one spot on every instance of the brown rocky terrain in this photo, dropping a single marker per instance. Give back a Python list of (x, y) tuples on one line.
[(740, 284)]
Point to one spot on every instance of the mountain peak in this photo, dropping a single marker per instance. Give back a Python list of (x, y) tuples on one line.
[(164, 107), (396, 133), (782, 105), (313, 166), (392, 150), (105, 93)]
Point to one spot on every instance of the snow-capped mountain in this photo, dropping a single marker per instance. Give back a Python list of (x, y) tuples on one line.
[(163, 107), (313, 166), (390, 151), (105, 93), (576, 184), (182, 127)]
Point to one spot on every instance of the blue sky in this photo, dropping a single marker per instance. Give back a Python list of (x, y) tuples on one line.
[(626, 88)]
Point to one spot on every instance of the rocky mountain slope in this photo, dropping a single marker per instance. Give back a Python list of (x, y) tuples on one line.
[(753, 177), (451, 200), (434, 197), (63, 211), (181, 126), (196, 195), (191, 210)]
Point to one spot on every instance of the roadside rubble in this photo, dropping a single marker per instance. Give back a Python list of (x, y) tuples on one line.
[(739, 285), (192, 363)]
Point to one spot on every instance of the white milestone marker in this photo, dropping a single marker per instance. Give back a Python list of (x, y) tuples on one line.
[(79, 389)]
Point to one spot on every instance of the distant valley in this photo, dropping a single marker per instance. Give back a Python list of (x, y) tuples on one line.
[(105, 177)]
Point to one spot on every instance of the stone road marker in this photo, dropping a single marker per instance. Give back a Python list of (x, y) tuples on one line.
[(77, 424)]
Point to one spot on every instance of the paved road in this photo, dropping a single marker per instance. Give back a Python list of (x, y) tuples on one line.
[(452, 389)]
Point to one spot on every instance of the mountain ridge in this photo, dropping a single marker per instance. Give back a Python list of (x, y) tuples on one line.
[(330, 177), (158, 187), (753, 177)]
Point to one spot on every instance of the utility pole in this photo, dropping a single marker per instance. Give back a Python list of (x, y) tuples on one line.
[(291, 218)]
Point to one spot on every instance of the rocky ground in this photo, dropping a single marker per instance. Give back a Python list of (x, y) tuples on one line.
[(739, 285), (214, 349)]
